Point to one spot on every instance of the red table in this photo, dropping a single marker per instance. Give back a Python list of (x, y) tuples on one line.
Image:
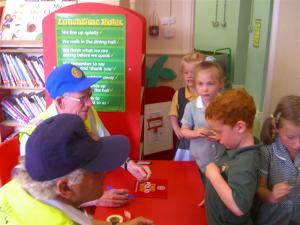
[(185, 191)]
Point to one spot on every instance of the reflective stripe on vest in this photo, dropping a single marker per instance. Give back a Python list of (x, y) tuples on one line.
[(18, 207), (91, 122), (29, 128)]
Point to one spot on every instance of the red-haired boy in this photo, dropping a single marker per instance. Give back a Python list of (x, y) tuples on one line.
[(232, 180)]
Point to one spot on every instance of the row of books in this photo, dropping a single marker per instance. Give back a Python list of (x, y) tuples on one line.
[(21, 70), (24, 106)]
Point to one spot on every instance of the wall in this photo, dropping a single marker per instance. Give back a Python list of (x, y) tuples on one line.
[(183, 12), (248, 63), (284, 67), (175, 48), (258, 57), (242, 42), (208, 37), (124, 3)]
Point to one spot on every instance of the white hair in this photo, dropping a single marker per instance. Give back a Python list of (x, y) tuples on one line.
[(43, 190)]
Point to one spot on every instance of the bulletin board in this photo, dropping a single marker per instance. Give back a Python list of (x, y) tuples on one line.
[(126, 119)]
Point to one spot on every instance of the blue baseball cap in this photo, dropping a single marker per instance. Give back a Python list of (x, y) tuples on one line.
[(61, 144), (68, 78)]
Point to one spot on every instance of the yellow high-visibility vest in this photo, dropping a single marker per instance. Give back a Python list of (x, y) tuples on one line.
[(17, 207), (92, 123)]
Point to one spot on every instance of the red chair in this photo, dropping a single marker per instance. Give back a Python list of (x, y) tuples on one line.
[(9, 157)]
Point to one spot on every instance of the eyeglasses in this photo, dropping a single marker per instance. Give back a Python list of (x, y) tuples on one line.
[(82, 99)]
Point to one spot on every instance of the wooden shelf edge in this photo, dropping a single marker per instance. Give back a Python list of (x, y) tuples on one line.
[(158, 53), (12, 123), (21, 44), (22, 88), (22, 50)]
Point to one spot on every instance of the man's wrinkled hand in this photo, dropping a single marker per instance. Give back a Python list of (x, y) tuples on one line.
[(140, 172), (113, 198)]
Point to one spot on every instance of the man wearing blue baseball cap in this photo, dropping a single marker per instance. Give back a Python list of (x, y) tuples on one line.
[(71, 92), (58, 174)]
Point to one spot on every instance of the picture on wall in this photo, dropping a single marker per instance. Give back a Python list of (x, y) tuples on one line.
[(22, 19)]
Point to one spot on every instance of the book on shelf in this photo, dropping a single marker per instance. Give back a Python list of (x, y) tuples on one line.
[(37, 74), (37, 102), (41, 97), (38, 67), (20, 70), (6, 70), (21, 98), (10, 114), (24, 107), (31, 104), (14, 110), (3, 75), (22, 19), (23, 72), (23, 78)]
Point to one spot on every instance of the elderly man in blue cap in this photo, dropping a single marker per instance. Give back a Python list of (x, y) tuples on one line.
[(59, 175), (71, 92)]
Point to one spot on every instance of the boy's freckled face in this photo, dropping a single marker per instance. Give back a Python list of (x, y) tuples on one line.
[(228, 135)]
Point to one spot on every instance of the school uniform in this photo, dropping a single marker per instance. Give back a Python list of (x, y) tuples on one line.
[(276, 167), (181, 97), (239, 167), (202, 150)]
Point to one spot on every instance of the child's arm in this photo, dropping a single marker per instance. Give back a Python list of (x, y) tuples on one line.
[(224, 191), (173, 115), (279, 191), (189, 133), (175, 126)]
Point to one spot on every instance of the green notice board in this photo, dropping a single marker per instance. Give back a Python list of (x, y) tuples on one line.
[(96, 43)]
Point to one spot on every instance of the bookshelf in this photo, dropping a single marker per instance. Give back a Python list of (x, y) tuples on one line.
[(21, 84)]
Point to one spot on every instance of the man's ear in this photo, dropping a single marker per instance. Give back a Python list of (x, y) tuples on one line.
[(59, 102), (241, 126), (63, 190)]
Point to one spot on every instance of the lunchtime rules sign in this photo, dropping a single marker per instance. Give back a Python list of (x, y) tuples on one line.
[(96, 43)]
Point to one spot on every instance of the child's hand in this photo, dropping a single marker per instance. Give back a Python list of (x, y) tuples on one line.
[(279, 191), (211, 135), (201, 131), (202, 203), (211, 170), (178, 133)]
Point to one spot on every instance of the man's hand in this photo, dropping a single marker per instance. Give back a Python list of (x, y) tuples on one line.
[(113, 198), (136, 221), (139, 221), (140, 172)]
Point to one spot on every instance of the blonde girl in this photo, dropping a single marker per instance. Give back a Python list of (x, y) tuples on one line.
[(181, 97), (208, 82)]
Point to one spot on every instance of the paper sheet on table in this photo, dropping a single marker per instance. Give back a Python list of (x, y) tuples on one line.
[(153, 188)]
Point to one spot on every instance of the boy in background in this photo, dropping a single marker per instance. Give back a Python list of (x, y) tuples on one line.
[(181, 97), (232, 180)]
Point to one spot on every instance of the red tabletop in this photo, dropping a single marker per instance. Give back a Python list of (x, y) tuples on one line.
[(185, 192)]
